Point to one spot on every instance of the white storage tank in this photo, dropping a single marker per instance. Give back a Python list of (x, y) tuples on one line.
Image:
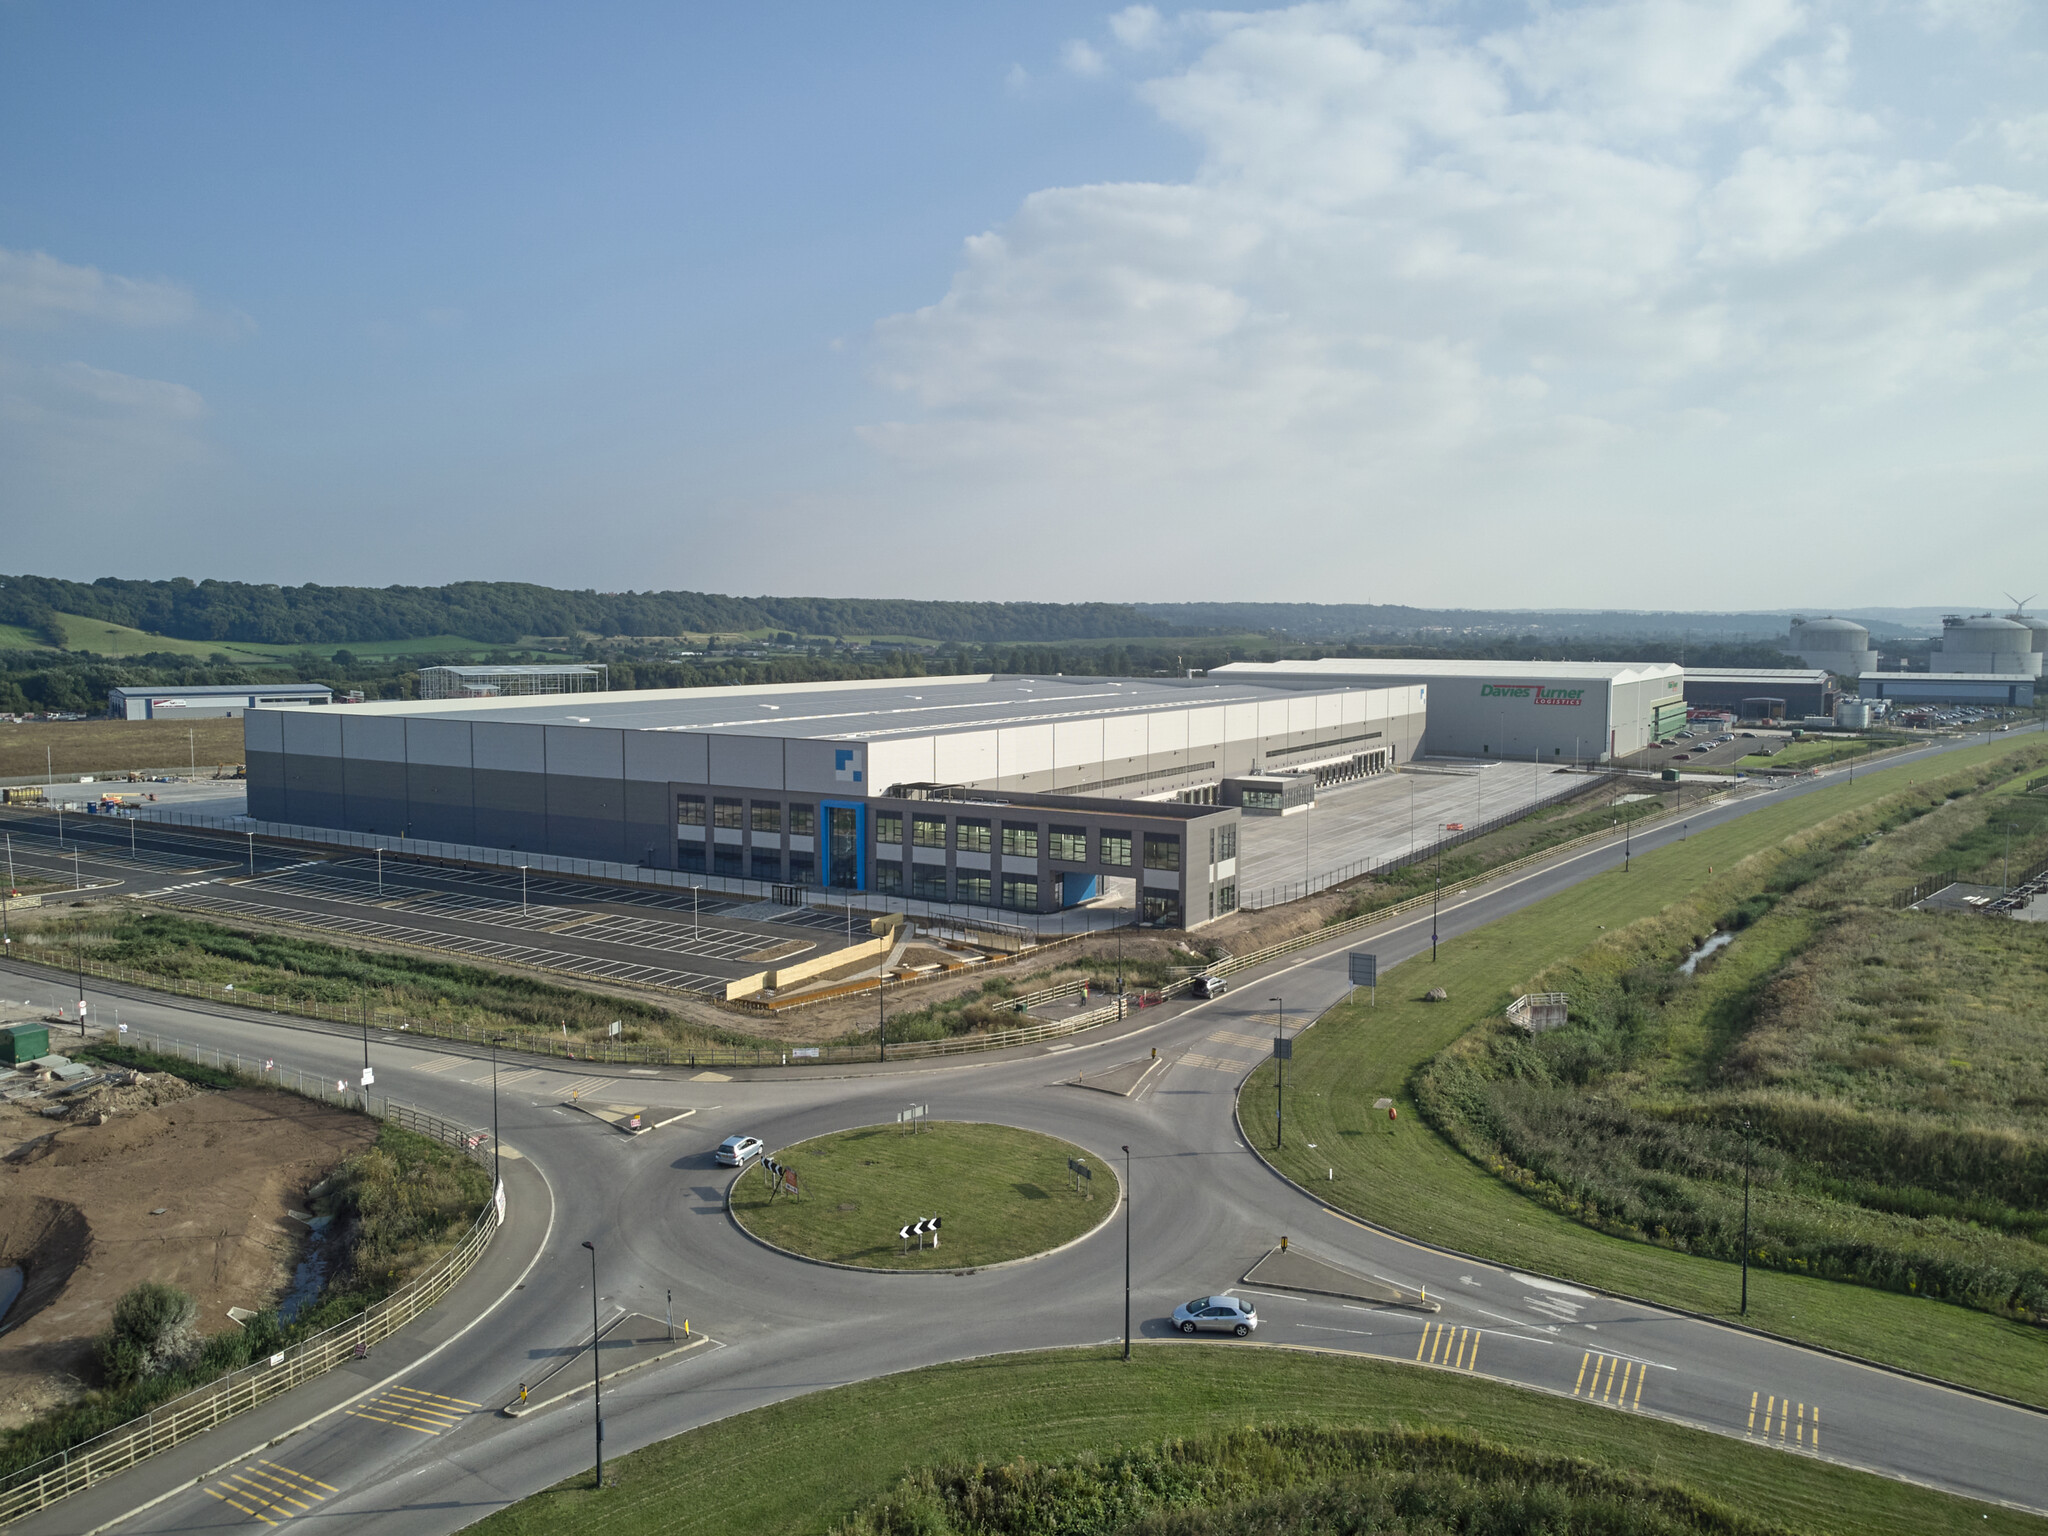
[(2036, 625), (1842, 646), (1984, 644), (1853, 715)]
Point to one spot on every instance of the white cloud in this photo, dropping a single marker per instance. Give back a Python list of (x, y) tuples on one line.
[(38, 291), (1078, 58), (1430, 283), (79, 439), (1137, 26)]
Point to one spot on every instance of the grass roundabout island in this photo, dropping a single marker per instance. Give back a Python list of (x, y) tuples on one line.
[(1003, 1194)]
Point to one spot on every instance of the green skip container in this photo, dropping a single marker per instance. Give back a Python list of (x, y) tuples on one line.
[(23, 1042)]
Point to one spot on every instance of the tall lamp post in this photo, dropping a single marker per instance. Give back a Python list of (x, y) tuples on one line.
[(1127, 1252), (497, 1174), (1747, 1157), (1436, 895), (596, 1370)]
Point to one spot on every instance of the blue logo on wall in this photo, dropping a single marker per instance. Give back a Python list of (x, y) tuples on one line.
[(843, 769)]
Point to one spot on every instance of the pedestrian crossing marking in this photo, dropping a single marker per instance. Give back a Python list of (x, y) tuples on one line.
[(1612, 1379), (1256, 1042), (270, 1486), (1453, 1347), (1212, 1063)]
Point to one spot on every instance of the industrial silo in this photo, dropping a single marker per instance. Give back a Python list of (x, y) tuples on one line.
[(2039, 627), (1985, 645), (1839, 645)]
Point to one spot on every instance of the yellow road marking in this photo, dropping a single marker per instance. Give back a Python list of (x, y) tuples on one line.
[(437, 1395), (270, 1492), (1583, 1361), (1626, 1368), (1752, 1412), (1473, 1363), (1640, 1376), (1816, 1426), (302, 1477), (1423, 1343), (245, 1509), (1770, 1409)]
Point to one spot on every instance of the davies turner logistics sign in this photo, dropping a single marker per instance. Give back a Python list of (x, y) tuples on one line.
[(1540, 694)]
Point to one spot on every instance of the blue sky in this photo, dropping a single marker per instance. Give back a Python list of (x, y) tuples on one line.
[(1650, 302)]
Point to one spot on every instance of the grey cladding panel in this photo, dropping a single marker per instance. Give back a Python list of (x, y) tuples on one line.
[(438, 743), (262, 731), (584, 752), (748, 762), (315, 732), (508, 748), (374, 738), (655, 757)]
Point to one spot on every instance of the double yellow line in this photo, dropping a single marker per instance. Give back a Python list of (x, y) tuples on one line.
[(1797, 1422), (1610, 1380), (1449, 1347)]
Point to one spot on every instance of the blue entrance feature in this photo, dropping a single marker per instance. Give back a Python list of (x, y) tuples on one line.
[(1075, 889), (843, 845)]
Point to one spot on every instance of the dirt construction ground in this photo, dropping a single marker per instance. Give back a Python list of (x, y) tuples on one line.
[(77, 1204), (34, 747)]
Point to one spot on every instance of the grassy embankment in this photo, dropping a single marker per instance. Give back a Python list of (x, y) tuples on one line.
[(1812, 754), (267, 969), (1641, 1088), (806, 1465), (67, 748), (1003, 1193), (395, 1208)]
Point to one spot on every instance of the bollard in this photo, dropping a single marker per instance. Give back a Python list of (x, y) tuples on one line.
[(1331, 1175), (1283, 1245)]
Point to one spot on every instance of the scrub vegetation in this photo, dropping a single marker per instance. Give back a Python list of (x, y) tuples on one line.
[(1215, 1439), (306, 971)]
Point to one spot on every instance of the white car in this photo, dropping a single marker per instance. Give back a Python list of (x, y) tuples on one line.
[(735, 1150), (1219, 1314)]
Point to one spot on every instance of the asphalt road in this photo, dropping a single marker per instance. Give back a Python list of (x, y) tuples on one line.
[(1204, 1208)]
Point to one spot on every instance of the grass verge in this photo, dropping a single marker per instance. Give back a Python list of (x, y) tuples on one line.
[(1406, 1176), (1004, 1194), (806, 1465)]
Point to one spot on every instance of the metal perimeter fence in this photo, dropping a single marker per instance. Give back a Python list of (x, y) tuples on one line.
[(27, 1489)]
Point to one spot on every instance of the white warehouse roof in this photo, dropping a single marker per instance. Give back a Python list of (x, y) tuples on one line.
[(1344, 668)]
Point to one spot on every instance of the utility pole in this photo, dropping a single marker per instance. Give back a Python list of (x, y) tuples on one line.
[(1280, 1094), (1127, 1252), (497, 1174), (596, 1370), (1747, 1157), (881, 1008)]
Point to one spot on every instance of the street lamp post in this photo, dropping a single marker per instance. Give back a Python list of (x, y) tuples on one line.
[(522, 890), (497, 1175), (366, 1054), (1747, 1155), (1127, 1252), (596, 1370), (380, 874), (1436, 895)]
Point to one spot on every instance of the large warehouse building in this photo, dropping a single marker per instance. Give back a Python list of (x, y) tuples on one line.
[(1795, 692), (1566, 711), (1020, 792), (210, 701), (1998, 690)]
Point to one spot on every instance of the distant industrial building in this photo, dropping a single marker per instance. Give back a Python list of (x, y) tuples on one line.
[(511, 682), (1840, 646), (1999, 690), (1987, 646), (210, 701), (1564, 711), (1793, 691), (1017, 792)]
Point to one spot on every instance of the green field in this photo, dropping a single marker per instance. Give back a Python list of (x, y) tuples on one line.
[(805, 1465), (117, 640), (1408, 1177), (1004, 1194)]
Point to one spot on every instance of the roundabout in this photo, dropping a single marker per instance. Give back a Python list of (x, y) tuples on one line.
[(1001, 1195)]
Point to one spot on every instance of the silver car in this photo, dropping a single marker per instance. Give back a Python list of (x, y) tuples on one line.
[(1218, 1314), (735, 1150)]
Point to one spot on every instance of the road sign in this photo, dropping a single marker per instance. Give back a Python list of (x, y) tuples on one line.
[(369, 1077), (913, 1114), (1365, 968), (1283, 1050), (615, 1029)]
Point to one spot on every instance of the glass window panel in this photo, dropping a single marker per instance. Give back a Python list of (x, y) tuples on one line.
[(1162, 852), (1116, 848), (889, 879), (929, 832), (689, 810), (727, 813), (768, 817), (973, 886), (972, 836), (1020, 839), (888, 828), (1021, 892), (803, 820), (1069, 844), (929, 882)]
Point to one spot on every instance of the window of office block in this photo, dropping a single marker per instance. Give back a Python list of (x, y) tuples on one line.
[(1069, 844), (1162, 852), (971, 836), (727, 813), (889, 879), (928, 882), (971, 886), (690, 857), (1162, 909), (767, 865), (928, 831), (728, 862), (1262, 799), (803, 820), (1226, 843), (803, 869), (888, 828), (1226, 899), (768, 817), (1020, 892), (1116, 848), (1020, 839), (689, 810)]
